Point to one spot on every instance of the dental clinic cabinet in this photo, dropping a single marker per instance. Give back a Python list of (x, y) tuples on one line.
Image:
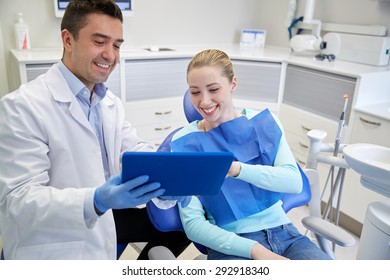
[(314, 99), (306, 94)]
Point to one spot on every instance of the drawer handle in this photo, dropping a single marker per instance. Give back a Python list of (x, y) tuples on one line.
[(301, 162), (370, 122), (305, 128), (303, 145), (163, 113), (162, 128)]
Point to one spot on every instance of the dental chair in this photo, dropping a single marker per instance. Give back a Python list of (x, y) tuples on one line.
[(169, 219), (325, 232)]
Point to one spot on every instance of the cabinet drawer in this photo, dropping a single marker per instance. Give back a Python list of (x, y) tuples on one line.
[(155, 111), (160, 131), (299, 122), (370, 129), (298, 144)]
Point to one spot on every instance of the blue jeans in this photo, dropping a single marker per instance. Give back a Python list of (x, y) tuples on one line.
[(284, 240)]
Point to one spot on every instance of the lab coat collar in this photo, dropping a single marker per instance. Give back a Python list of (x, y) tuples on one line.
[(61, 93)]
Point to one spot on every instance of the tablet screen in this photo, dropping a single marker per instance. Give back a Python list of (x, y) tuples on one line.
[(180, 173)]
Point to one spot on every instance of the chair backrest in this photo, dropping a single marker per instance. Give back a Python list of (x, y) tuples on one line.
[(169, 219), (189, 110)]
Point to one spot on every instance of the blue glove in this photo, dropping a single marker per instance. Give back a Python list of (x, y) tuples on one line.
[(184, 200), (115, 195)]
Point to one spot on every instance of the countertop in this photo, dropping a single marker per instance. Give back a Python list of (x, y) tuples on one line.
[(266, 54)]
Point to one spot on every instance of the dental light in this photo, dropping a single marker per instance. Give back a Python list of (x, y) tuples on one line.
[(306, 43)]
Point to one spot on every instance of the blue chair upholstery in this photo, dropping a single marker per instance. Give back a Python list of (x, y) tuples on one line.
[(189, 110), (120, 247), (293, 200), (169, 219)]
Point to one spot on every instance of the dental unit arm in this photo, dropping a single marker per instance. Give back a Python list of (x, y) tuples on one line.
[(325, 231), (317, 147)]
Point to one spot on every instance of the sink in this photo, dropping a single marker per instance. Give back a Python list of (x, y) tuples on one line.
[(372, 162)]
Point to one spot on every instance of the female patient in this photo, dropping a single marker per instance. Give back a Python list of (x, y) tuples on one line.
[(245, 220)]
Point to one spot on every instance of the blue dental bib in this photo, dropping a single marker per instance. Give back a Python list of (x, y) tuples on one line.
[(253, 141)]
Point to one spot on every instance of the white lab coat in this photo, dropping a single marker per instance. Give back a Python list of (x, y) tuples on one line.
[(50, 160)]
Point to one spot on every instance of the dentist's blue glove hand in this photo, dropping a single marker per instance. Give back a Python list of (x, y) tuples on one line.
[(115, 195), (184, 200)]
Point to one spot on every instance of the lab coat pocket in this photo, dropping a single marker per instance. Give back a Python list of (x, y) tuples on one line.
[(53, 251)]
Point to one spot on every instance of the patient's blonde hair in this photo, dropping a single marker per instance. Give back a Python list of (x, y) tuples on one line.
[(212, 57)]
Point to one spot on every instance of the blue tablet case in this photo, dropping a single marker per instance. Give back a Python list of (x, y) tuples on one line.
[(180, 173)]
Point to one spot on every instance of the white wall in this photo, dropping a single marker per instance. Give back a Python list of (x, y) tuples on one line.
[(167, 22), (155, 22), (3, 73)]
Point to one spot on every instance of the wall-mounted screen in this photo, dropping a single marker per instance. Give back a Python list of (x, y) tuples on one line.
[(124, 5)]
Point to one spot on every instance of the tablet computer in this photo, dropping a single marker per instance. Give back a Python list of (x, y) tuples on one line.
[(180, 173)]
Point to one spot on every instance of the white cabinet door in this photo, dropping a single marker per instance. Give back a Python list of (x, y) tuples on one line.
[(154, 96), (155, 78), (35, 70), (319, 92), (257, 81), (258, 85), (370, 129)]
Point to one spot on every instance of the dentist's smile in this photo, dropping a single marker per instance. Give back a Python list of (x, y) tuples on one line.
[(102, 65)]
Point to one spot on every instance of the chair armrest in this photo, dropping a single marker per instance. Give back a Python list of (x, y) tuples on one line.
[(160, 253), (328, 231), (164, 219)]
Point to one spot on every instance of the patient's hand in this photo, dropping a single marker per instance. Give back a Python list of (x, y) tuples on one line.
[(184, 200), (259, 252), (235, 169)]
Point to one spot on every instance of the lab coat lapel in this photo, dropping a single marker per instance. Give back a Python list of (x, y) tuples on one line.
[(109, 126), (62, 94)]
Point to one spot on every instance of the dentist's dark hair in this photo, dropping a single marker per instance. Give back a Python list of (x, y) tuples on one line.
[(77, 11)]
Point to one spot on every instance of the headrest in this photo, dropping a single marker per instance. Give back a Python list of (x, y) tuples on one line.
[(189, 110)]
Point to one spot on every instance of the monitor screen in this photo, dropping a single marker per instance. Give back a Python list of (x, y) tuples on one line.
[(124, 5)]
